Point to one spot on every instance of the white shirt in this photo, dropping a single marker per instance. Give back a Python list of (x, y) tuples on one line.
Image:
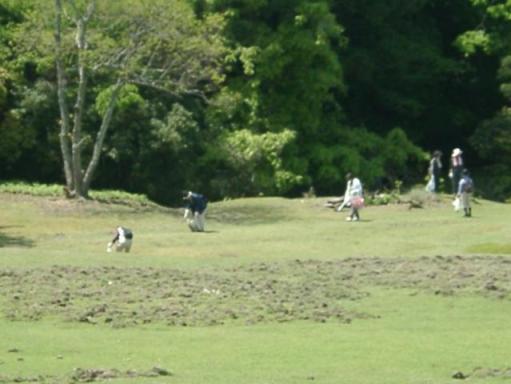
[(122, 236), (353, 188)]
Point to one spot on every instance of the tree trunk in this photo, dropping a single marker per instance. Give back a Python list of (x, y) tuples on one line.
[(78, 110), (64, 111), (71, 144), (98, 144)]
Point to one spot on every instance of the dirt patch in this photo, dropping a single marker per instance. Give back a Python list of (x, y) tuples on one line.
[(484, 373), (261, 292), (130, 296), (89, 375), (22, 379)]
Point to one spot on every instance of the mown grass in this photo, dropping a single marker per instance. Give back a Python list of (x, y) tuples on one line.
[(240, 231), (419, 339), (422, 298)]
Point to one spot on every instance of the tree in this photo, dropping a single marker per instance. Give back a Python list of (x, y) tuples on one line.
[(491, 36), (285, 76), (158, 44), (14, 140), (401, 69)]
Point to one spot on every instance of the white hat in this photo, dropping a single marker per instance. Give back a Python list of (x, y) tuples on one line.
[(456, 152)]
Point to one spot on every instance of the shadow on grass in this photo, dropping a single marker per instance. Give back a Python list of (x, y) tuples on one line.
[(248, 215), (491, 248), (14, 241)]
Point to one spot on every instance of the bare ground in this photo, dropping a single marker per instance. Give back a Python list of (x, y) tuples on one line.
[(262, 292)]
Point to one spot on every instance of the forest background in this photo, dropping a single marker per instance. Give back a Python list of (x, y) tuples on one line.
[(256, 97)]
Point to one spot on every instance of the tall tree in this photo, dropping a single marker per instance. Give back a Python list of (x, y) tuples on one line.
[(402, 69), (286, 77), (158, 44), (491, 36)]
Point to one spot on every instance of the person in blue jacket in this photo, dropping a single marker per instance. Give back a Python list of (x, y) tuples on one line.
[(465, 189), (195, 210)]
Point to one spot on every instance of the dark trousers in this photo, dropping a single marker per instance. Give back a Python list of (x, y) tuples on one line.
[(436, 180)]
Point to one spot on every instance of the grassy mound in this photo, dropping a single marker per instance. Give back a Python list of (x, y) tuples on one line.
[(56, 191)]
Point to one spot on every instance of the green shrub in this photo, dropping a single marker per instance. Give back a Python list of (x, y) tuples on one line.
[(380, 199), (35, 189), (120, 197), (252, 163), (378, 161), (55, 190)]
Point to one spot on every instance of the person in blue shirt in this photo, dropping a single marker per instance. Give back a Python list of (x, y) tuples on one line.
[(465, 189), (195, 210)]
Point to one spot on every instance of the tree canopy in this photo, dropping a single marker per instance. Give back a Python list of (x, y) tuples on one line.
[(244, 97)]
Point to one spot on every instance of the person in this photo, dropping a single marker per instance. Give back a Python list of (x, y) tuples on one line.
[(195, 211), (434, 170), (456, 169), (465, 189), (353, 194), (122, 240)]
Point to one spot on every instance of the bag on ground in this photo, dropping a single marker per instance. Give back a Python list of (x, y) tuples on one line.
[(430, 186), (456, 204)]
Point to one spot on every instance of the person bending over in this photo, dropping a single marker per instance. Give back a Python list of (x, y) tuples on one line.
[(122, 240), (195, 210)]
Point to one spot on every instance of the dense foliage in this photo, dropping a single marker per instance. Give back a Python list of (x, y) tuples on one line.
[(248, 97)]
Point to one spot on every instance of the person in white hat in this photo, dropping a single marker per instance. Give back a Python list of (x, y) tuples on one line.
[(456, 169)]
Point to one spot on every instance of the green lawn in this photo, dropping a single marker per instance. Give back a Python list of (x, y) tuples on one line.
[(405, 296), (243, 231)]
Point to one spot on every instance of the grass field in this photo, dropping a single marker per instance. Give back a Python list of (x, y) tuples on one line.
[(277, 291)]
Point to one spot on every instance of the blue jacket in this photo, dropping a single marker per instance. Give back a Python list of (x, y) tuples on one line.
[(466, 184), (197, 203)]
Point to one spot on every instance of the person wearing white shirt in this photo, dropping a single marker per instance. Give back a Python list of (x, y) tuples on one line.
[(353, 194), (122, 240)]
